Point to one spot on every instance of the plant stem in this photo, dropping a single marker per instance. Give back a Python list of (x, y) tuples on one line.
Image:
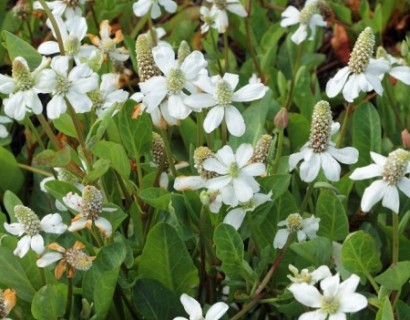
[(48, 131), (257, 296), (33, 129), (373, 282), (224, 133), (226, 51), (202, 251), (35, 170), (130, 307), (168, 152), (342, 134), (249, 41), (55, 26), (395, 248), (278, 155), (294, 71), (309, 191), (69, 298)]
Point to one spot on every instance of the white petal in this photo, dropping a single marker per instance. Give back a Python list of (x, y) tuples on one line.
[(373, 194), (14, 107), (216, 311), (334, 128), (243, 154), (170, 6), (313, 315), (378, 159), (280, 238), (370, 171), (48, 259), (377, 67), (164, 57), (48, 48), (310, 169), (243, 191), (290, 17), (306, 294), (320, 273), (337, 316), (300, 34), (191, 306), (23, 246), (212, 164), (7, 84), (234, 121), (235, 217), (391, 199), (295, 158), (213, 119), (401, 73), (254, 169), (232, 79), (348, 155), (104, 226), (141, 7), (335, 85), (301, 236), (155, 11), (218, 182), (200, 100), (250, 92), (330, 286), (53, 223), (16, 229), (375, 83), (351, 88), (78, 224), (189, 183), (33, 101), (404, 185), (85, 84), (80, 101), (237, 9), (60, 65), (177, 108), (56, 106), (331, 167), (225, 155), (37, 243), (352, 302), (221, 20), (349, 285), (46, 81), (193, 64), (154, 98)]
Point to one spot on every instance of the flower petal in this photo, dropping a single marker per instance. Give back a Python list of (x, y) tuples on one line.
[(370, 171), (225, 155), (78, 224), (300, 34), (373, 194), (218, 182), (351, 88), (48, 48), (164, 57), (348, 155), (250, 92), (53, 223), (189, 183), (16, 228), (80, 101), (104, 226), (404, 185), (177, 107), (216, 311), (212, 164), (213, 119), (243, 154), (235, 217), (200, 100), (401, 73), (237, 9), (191, 306), (234, 121), (335, 85), (254, 169), (306, 294), (330, 286), (391, 199), (56, 106), (37, 243), (23, 246), (310, 169), (313, 315), (378, 159), (290, 17), (331, 167), (243, 191), (280, 238)]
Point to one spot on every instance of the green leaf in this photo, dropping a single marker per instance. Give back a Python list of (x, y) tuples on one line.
[(17, 47), (333, 219), (104, 292), (12, 275), (156, 302), (65, 124), (229, 249), (116, 154), (317, 251), (10, 200), (396, 276), (278, 183), (136, 134), (12, 177), (166, 259), (100, 167), (49, 302), (51, 158), (157, 197), (298, 130), (360, 254), (385, 311), (302, 94)]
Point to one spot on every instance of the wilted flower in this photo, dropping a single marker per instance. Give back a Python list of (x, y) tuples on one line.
[(311, 278), (304, 228), (219, 12), (73, 258), (194, 310), (309, 16), (393, 170), (337, 298), (319, 151), (7, 302), (362, 74), (30, 225), (142, 7)]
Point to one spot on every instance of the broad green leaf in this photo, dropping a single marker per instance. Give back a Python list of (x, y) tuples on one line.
[(17, 47), (12, 275), (50, 302), (333, 219), (10, 200), (51, 158), (317, 251), (156, 302), (136, 134), (385, 311), (396, 276), (104, 292), (360, 254), (278, 183), (65, 124), (166, 259), (116, 154), (156, 197), (229, 249), (366, 132), (298, 130), (100, 167), (302, 94), (12, 177)]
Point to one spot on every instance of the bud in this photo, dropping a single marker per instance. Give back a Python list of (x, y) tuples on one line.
[(183, 51), (158, 151), (66, 176), (28, 219), (405, 138), (395, 167), (175, 80), (86, 309), (405, 47), (294, 222), (261, 151), (91, 204), (146, 65), (223, 93), (200, 155), (281, 118), (21, 74), (362, 51), (321, 127), (381, 53), (97, 99), (205, 198)]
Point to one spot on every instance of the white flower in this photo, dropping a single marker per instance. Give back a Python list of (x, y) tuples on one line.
[(310, 278), (108, 94), (307, 17), (169, 89), (396, 68), (108, 45), (194, 310), (30, 225), (235, 216), (393, 170), (22, 89), (219, 12), (69, 8), (304, 228), (3, 130), (89, 207), (141, 7), (208, 17), (73, 86), (362, 74), (72, 33), (220, 95), (337, 298), (236, 182), (319, 151)]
